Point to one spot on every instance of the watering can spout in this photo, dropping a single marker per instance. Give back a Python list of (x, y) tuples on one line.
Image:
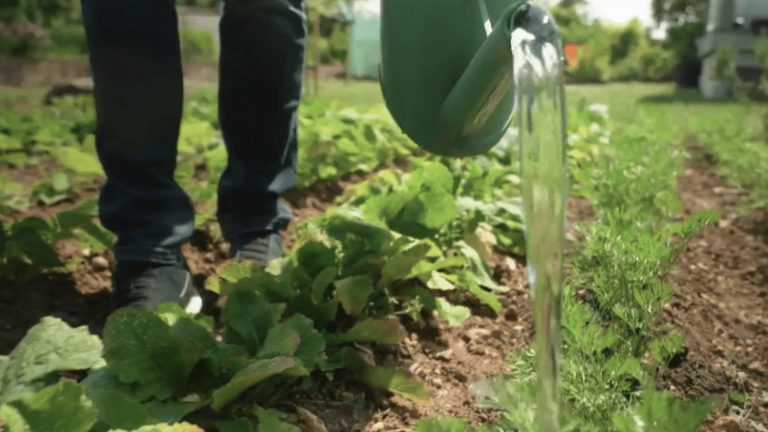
[(448, 74)]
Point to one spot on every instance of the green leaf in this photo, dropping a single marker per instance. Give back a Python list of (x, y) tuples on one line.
[(59, 407), (248, 317), (78, 161), (426, 267), (378, 330), (272, 421), (321, 282), (195, 342), (353, 293), (311, 343), (440, 209), (486, 297), (442, 425), (60, 181), (81, 214), (440, 282), (27, 239), (399, 266), (117, 406), (10, 143), (239, 425), (140, 348), (480, 268), (315, 256), (455, 315), (12, 419), (392, 379), (48, 347), (163, 427), (250, 376), (234, 271), (282, 340), (172, 312)]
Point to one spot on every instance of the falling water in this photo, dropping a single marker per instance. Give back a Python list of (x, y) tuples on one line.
[(541, 122)]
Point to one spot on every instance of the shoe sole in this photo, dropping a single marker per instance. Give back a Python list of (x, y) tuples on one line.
[(194, 305)]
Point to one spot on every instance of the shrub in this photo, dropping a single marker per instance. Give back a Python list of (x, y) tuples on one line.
[(593, 66), (646, 63), (22, 38), (68, 39), (197, 45)]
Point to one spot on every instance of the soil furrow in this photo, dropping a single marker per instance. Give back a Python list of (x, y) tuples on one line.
[(720, 304)]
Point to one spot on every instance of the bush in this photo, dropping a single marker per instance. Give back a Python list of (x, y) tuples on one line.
[(197, 45), (68, 39), (593, 66), (22, 38), (336, 48), (646, 63)]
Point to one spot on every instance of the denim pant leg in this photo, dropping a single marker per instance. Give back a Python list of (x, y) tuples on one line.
[(138, 85), (261, 66)]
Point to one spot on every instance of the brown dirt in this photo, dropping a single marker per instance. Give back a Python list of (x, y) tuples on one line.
[(721, 303)]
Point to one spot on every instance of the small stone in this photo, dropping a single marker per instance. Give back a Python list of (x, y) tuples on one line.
[(347, 395), (437, 382), (755, 366), (756, 426), (444, 355), (209, 257), (728, 424), (460, 376), (99, 263), (311, 422), (377, 426), (476, 333)]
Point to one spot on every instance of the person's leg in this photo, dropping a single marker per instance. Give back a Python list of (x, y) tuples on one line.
[(138, 89), (261, 66)]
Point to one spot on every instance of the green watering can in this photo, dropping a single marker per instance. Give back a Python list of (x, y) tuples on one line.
[(447, 69)]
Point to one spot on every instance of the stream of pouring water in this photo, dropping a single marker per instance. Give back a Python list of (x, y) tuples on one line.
[(541, 122)]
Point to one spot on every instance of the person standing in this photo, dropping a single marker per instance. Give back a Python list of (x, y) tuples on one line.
[(136, 64)]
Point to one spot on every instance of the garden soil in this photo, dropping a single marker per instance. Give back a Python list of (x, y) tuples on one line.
[(721, 304)]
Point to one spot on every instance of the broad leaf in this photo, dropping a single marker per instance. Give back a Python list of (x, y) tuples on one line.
[(311, 343), (353, 293), (455, 315), (248, 317), (384, 331), (394, 380), (239, 425), (250, 376), (119, 407), (59, 407), (282, 340), (140, 348), (272, 421), (48, 347)]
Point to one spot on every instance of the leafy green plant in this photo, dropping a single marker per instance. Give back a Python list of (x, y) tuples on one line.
[(26, 245), (615, 292)]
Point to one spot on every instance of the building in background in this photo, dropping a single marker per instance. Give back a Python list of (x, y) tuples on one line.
[(735, 24), (364, 51)]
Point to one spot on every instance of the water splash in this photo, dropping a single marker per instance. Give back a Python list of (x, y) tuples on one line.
[(541, 122)]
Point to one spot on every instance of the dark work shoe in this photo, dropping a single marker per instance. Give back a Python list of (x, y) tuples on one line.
[(261, 250), (146, 285)]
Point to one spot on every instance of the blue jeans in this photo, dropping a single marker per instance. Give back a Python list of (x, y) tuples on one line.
[(138, 84)]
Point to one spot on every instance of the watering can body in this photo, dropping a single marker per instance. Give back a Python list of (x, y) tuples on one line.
[(447, 71)]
